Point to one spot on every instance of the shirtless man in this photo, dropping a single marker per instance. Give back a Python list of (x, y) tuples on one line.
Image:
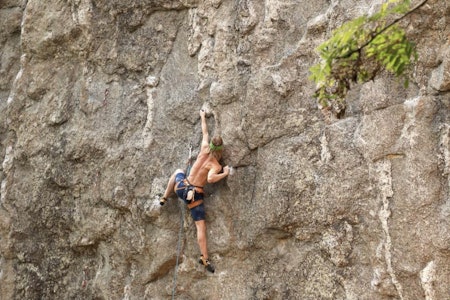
[(206, 169)]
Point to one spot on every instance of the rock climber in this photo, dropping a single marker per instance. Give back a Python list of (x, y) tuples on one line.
[(206, 169)]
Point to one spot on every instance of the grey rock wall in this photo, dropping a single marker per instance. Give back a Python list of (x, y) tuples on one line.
[(99, 104)]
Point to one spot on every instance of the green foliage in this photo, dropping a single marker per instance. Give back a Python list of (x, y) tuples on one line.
[(359, 49)]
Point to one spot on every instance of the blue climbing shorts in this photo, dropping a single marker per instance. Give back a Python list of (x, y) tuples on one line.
[(198, 212), (179, 184)]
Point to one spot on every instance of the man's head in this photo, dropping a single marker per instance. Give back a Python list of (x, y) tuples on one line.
[(216, 147)]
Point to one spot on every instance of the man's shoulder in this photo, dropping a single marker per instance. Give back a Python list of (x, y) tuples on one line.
[(214, 164)]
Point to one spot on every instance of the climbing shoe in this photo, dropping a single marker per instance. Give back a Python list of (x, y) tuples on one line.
[(162, 201), (205, 262)]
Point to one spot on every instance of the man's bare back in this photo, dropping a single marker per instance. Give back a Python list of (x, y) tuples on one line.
[(202, 168)]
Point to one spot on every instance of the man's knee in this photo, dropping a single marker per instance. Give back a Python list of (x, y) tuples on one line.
[(179, 171), (201, 230), (201, 226)]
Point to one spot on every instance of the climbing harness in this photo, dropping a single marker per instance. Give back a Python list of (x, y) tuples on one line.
[(180, 233), (190, 193)]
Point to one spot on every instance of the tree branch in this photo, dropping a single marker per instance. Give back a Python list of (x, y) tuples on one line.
[(383, 30)]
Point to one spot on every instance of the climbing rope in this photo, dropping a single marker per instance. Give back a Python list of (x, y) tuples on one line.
[(180, 233)]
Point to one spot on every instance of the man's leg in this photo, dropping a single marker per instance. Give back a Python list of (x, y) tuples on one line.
[(170, 185), (201, 237)]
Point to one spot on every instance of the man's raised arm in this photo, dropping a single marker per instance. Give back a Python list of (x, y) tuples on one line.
[(205, 134)]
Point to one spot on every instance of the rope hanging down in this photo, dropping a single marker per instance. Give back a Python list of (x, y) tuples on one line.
[(180, 236), (180, 233)]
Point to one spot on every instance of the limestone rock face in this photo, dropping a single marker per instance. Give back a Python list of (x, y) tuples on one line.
[(99, 104)]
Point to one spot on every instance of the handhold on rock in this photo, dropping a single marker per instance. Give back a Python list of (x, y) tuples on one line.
[(207, 109)]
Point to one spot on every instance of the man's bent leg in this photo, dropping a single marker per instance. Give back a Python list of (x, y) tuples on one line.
[(171, 184)]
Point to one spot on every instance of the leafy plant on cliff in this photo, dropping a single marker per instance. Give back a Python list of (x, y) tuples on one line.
[(359, 50)]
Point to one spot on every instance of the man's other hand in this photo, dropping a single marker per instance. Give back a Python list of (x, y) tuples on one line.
[(226, 170)]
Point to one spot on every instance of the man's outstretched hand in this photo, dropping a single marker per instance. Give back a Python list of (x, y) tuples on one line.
[(226, 170), (202, 113)]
